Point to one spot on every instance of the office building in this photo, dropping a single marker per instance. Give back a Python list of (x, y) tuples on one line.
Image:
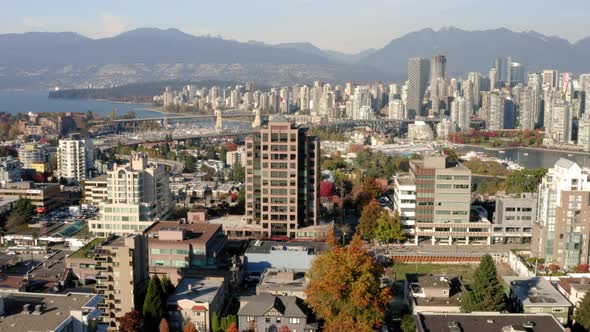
[(44, 196), (443, 204), (560, 231), (138, 194), (175, 248), (282, 178), (475, 79), (513, 218), (443, 197), (517, 73), (537, 295), (558, 122), (74, 158), (10, 170), (121, 265), (438, 72), (418, 75), (551, 78)]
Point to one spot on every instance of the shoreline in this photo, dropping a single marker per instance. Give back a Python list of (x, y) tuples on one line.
[(524, 148)]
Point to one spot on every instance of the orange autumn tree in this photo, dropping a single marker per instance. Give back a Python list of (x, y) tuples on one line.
[(344, 289)]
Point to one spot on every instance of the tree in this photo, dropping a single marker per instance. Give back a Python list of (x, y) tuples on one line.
[(164, 327), (21, 215), (215, 324), (189, 327), (189, 164), (582, 315), (130, 322), (389, 228), (167, 287), (408, 324), (237, 173), (284, 328), (525, 180), (154, 305), (344, 288), (366, 191), (368, 220), (233, 327), (451, 155), (487, 293)]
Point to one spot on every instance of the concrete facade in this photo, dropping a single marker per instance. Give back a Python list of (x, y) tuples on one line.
[(513, 219)]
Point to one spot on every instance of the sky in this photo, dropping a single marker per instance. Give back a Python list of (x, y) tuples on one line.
[(342, 25)]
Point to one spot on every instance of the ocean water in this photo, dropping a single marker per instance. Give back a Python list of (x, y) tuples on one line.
[(37, 102)]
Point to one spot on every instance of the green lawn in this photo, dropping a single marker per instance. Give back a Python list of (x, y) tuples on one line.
[(464, 270), (84, 252)]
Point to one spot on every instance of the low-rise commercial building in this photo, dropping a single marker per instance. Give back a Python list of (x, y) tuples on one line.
[(537, 295), (176, 247), (513, 219), (49, 312), (195, 300), (486, 322), (46, 196), (262, 254)]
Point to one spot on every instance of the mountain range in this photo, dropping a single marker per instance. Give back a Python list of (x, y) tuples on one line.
[(40, 60)]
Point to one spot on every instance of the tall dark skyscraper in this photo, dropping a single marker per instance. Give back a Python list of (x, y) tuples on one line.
[(418, 75)]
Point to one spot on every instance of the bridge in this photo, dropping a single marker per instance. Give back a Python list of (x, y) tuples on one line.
[(218, 116)]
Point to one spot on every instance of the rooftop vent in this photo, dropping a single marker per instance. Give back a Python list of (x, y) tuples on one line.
[(26, 309), (528, 324), (38, 309)]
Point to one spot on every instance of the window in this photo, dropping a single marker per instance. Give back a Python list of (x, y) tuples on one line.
[(293, 320), (267, 320), (557, 310)]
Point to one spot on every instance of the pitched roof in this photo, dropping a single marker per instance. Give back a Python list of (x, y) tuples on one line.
[(258, 305), (564, 163), (279, 118)]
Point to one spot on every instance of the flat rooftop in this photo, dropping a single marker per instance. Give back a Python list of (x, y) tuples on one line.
[(201, 290), (486, 322), (283, 279), (265, 247), (200, 232), (536, 292), (579, 284), (57, 308)]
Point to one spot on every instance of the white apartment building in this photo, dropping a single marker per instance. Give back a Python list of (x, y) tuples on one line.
[(238, 156), (74, 157), (138, 194), (404, 202)]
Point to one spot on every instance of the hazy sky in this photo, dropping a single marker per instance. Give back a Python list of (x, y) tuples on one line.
[(343, 25)]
